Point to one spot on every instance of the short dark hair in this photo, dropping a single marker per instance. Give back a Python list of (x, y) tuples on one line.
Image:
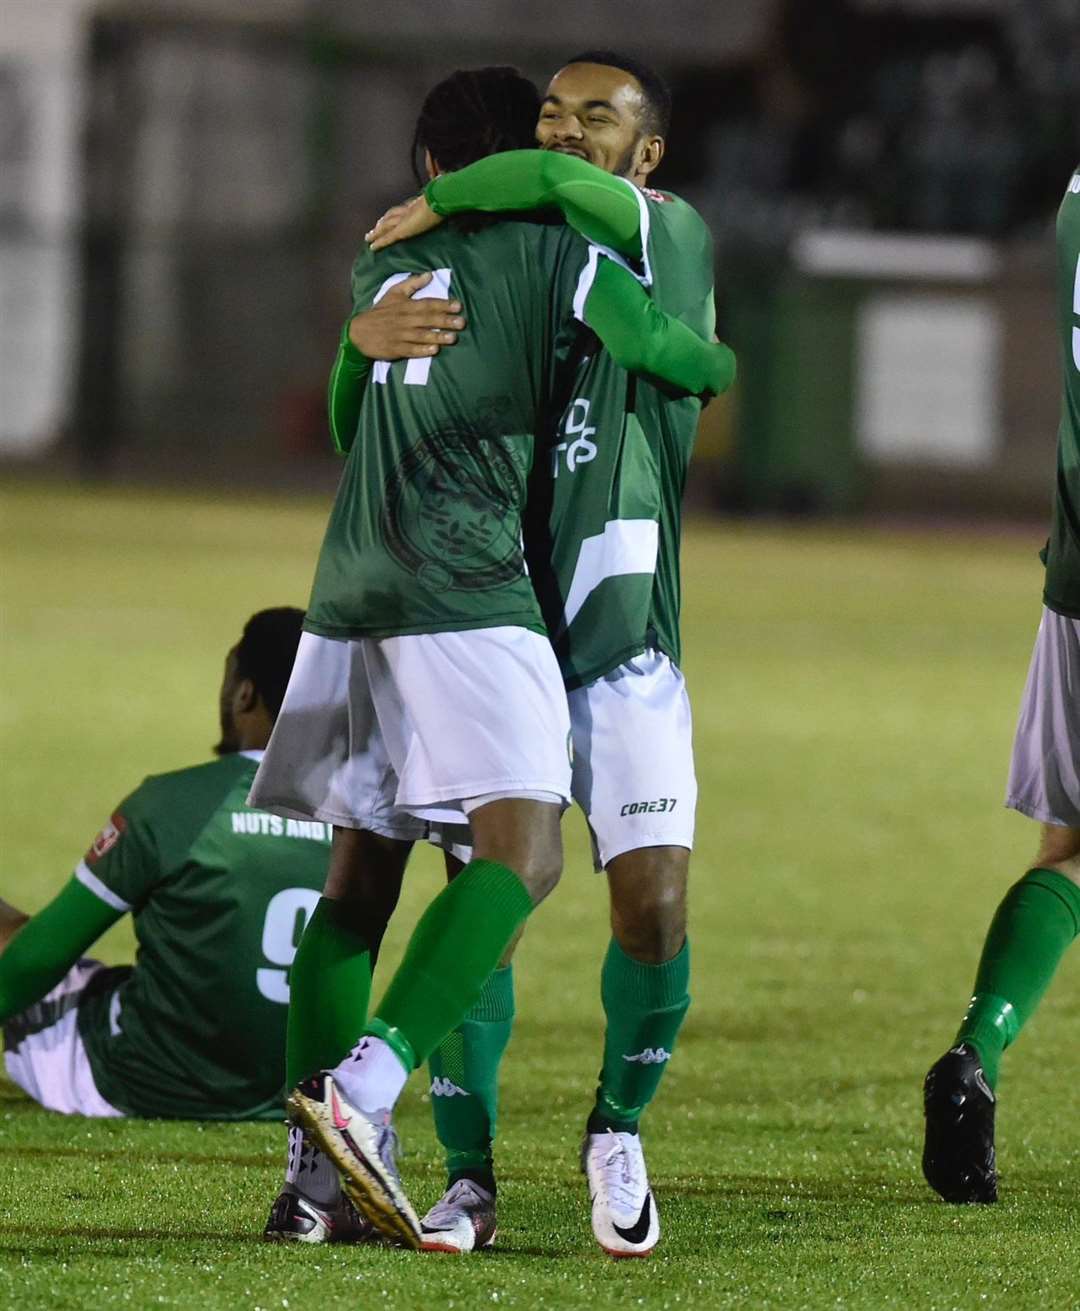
[(266, 651), (476, 112), (657, 116)]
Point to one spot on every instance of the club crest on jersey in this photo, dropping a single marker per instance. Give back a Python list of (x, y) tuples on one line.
[(452, 510), (109, 836)]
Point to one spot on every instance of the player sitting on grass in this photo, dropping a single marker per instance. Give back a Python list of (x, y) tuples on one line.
[(1039, 916), (196, 1028), (419, 686)]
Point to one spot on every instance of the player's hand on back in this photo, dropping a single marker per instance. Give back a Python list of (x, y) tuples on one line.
[(402, 222), (400, 328)]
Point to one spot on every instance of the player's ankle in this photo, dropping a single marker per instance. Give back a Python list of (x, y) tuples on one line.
[(482, 1175), (601, 1121)]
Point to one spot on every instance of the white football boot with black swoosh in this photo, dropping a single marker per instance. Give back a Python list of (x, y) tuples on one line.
[(624, 1216)]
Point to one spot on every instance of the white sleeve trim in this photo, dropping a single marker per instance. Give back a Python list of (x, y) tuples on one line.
[(644, 274), (588, 274), (89, 879), (585, 283)]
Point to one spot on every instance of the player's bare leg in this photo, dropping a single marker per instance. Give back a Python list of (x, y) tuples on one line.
[(331, 986), (644, 991), (1035, 923), (458, 942), (11, 921)]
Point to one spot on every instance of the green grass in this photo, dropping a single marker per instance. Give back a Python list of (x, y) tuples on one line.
[(855, 693)]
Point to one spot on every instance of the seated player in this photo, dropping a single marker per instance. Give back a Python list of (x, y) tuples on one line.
[(1039, 917), (195, 1029)]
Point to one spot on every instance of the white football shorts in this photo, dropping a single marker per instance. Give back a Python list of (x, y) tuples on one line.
[(44, 1053), (384, 733), (1044, 773), (633, 773), (634, 758)]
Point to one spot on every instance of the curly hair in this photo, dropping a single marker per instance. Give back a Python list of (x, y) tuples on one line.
[(473, 113)]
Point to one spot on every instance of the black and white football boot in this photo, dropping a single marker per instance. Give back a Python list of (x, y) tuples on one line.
[(624, 1217), (297, 1219), (958, 1155)]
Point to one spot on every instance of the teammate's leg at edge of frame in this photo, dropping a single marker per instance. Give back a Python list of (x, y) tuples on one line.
[(1032, 928)]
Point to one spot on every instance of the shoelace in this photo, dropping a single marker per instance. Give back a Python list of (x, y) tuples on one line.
[(463, 1196), (623, 1175), (389, 1149)]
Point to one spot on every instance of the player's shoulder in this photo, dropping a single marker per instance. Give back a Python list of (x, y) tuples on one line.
[(677, 233), (671, 209), (193, 785)]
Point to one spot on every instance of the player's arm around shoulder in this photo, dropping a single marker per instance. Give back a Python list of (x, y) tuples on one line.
[(641, 338)]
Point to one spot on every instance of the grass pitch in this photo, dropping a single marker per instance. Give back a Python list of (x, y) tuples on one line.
[(855, 692)]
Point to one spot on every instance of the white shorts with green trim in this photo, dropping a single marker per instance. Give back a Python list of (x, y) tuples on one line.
[(385, 733), (44, 1053), (633, 772)]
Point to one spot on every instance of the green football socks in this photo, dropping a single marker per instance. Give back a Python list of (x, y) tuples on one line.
[(329, 989), (453, 949), (465, 1082), (1037, 920), (645, 1006)]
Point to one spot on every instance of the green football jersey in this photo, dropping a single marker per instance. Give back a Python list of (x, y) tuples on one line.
[(1062, 590), (604, 550), (426, 531), (220, 895)]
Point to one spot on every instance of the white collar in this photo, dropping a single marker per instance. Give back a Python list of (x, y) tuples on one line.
[(256, 753)]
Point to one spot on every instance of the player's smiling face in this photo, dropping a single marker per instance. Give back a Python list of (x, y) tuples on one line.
[(595, 112)]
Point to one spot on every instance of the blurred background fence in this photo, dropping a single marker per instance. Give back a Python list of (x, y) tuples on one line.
[(183, 187)]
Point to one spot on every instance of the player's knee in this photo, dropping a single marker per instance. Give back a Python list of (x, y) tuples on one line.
[(10, 924), (651, 926), (540, 872), (1069, 868), (1059, 849)]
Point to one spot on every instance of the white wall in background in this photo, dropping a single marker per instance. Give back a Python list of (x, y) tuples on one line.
[(40, 195), (928, 379)]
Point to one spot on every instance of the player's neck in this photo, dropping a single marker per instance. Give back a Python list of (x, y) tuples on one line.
[(253, 731)]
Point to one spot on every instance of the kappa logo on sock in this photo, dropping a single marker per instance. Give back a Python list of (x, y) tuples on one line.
[(446, 1088), (650, 1056)]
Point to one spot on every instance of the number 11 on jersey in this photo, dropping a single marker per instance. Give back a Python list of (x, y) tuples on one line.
[(418, 371)]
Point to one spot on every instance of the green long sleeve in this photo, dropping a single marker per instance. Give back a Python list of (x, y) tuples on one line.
[(643, 339), (49, 944), (605, 209), (345, 391)]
